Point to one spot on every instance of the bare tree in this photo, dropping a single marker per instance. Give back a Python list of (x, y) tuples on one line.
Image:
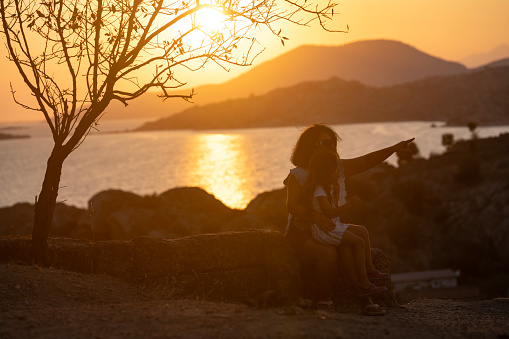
[(77, 56)]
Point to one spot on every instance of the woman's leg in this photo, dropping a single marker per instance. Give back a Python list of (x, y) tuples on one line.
[(347, 259), (324, 259), (362, 232), (359, 254)]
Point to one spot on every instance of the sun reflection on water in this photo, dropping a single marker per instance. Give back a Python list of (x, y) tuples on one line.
[(219, 165)]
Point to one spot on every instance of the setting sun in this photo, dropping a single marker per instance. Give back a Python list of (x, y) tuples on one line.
[(201, 27), (210, 20), (207, 22)]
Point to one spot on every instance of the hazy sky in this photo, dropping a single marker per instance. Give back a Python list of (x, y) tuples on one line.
[(449, 29)]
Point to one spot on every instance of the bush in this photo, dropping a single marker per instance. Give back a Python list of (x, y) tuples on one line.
[(469, 171)]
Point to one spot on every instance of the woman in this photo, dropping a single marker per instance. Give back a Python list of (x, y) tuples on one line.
[(322, 257)]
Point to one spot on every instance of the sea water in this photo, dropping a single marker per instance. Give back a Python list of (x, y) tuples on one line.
[(233, 165)]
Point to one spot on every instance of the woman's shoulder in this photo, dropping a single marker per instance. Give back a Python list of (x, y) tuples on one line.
[(300, 174), (298, 171)]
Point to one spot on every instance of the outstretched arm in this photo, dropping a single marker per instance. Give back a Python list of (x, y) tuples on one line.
[(370, 160)]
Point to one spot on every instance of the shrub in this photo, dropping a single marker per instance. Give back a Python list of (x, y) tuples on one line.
[(469, 171)]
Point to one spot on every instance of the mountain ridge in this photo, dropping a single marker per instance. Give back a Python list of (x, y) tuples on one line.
[(478, 96)]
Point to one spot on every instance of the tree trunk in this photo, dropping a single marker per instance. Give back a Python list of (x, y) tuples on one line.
[(45, 206)]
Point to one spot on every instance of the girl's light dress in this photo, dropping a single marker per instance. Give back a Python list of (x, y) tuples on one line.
[(301, 175), (333, 237)]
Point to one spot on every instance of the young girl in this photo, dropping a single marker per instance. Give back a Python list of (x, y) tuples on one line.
[(322, 193)]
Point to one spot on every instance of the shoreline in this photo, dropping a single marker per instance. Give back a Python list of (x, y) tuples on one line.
[(8, 136)]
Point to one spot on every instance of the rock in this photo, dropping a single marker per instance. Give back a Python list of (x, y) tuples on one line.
[(118, 215), (196, 210), (70, 221), (106, 218), (67, 221), (270, 207), (17, 219), (245, 222), (128, 222), (195, 200)]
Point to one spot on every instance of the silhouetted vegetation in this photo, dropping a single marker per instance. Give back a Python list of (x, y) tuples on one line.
[(407, 157), (471, 127), (469, 171), (447, 140), (446, 212)]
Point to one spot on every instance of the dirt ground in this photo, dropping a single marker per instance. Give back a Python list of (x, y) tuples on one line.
[(48, 303)]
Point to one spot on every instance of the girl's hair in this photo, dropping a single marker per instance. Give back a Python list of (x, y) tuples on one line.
[(322, 163), (306, 145)]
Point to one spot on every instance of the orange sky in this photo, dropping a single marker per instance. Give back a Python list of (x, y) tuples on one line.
[(449, 29)]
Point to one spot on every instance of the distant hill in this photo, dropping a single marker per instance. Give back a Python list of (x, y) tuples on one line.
[(480, 59), (479, 96), (373, 62), (498, 63)]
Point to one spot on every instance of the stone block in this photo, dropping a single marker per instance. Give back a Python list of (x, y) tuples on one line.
[(71, 254), (114, 258), (155, 257)]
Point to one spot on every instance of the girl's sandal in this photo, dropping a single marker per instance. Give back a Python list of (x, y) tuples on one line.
[(373, 310), (373, 289), (324, 305), (377, 275)]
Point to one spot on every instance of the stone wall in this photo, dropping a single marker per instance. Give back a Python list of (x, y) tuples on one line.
[(230, 266)]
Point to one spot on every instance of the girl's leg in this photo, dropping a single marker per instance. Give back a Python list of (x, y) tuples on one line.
[(359, 257), (324, 258), (362, 232)]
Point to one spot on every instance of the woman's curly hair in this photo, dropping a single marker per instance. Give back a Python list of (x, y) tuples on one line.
[(306, 145)]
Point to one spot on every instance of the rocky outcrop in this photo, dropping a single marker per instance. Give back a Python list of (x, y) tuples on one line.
[(271, 208), (175, 213), (120, 215), (68, 221), (226, 266)]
